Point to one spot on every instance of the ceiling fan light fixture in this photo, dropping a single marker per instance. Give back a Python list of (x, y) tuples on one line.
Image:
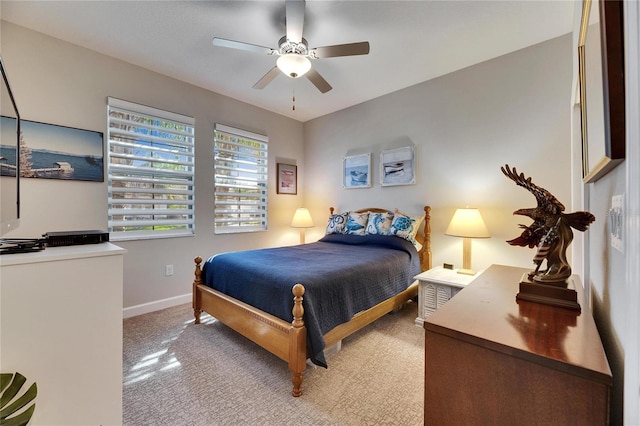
[(293, 64)]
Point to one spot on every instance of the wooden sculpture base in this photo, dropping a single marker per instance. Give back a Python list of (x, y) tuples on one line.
[(563, 296)]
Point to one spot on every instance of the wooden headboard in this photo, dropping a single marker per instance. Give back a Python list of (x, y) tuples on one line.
[(423, 236)]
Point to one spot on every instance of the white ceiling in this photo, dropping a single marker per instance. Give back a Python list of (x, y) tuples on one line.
[(411, 41)]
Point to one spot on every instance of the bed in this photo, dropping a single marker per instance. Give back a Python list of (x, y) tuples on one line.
[(267, 305)]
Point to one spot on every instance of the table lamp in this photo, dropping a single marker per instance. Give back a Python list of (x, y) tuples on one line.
[(302, 219), (467, 223)]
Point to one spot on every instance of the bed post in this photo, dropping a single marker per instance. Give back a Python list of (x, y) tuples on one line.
[(196, 294), (297, 341), (425, 253)]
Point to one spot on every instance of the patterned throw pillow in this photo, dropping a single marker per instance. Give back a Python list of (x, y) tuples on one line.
[(337, 223), (357, 223), (379, 223), (405, 227)]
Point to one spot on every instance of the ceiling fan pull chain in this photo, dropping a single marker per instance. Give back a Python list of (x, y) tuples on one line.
[(294, 100)]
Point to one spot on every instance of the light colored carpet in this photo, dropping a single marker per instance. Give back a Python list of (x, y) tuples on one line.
[(179, 373)]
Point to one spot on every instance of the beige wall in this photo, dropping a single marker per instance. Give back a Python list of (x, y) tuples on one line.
[(60, 83), (464, 126)]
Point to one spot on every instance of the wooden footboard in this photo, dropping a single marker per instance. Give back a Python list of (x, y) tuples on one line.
[(287, 341)]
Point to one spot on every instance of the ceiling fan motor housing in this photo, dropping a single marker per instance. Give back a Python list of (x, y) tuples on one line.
[(293, 57), (287, 46)]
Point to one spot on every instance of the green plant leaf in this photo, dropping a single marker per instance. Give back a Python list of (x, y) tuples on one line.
[(9, 393), (21, 419), (9, 406), (26, 398), (5, 379)]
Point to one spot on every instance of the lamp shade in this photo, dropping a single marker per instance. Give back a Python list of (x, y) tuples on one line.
[(294, 65), (467, 223), (302, 219)]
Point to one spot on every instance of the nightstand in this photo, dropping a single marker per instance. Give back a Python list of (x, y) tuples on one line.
[(436, 287)]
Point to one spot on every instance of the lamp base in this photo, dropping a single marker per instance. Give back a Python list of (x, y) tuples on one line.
[(466, 271)]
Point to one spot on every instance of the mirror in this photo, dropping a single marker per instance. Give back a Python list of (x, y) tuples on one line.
[(601, 76)]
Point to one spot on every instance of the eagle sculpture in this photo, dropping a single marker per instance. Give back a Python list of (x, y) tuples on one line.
[(550, 231)]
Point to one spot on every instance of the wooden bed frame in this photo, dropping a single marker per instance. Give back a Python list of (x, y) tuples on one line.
[(288, 341)]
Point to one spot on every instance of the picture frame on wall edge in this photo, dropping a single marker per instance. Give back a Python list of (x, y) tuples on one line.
[(287, 179)]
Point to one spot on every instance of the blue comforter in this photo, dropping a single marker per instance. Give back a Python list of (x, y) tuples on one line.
[(342, 275)]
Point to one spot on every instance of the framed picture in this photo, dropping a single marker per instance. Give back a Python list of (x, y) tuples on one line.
[(397, 167), (356, 171), (601, 76), (287, 179), (50, 151)]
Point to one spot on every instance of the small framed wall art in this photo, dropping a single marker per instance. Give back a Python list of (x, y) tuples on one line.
[(397, 167), (356, 171), (287, 179)]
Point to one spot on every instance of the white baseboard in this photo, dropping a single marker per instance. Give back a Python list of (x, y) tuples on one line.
[(145, 308)]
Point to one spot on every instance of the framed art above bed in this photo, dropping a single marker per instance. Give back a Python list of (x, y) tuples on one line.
[(397, 166), (356, 171)]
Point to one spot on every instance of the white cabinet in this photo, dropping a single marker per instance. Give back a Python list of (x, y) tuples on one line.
[(436, 287), (61, 327)]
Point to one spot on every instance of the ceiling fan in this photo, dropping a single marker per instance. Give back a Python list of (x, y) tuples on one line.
[(293, 51)]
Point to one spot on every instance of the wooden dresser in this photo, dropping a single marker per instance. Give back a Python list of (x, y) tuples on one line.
[(492, 360)]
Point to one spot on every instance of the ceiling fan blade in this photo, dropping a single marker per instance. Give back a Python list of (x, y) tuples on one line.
[(240, 45), (318, 81), (295, 20), (349, 49), (267, 78)]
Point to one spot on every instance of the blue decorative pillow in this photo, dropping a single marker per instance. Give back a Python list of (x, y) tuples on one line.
[(337, 223), (405, 227), (357, 223), (379, 223)]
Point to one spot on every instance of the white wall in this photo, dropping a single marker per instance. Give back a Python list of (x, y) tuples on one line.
[(60, 83), (464, 126)]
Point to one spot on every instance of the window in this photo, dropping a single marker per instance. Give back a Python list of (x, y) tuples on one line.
[(240, 169), (150, 172)]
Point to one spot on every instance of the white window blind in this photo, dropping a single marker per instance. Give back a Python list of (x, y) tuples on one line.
[(240, 169), (150, 172)]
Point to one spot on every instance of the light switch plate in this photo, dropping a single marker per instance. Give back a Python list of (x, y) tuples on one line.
[(616, 222)]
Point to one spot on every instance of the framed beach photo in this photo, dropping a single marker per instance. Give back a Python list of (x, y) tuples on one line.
[(287, 179), (397, 167), (49, 151), (356, 171)]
